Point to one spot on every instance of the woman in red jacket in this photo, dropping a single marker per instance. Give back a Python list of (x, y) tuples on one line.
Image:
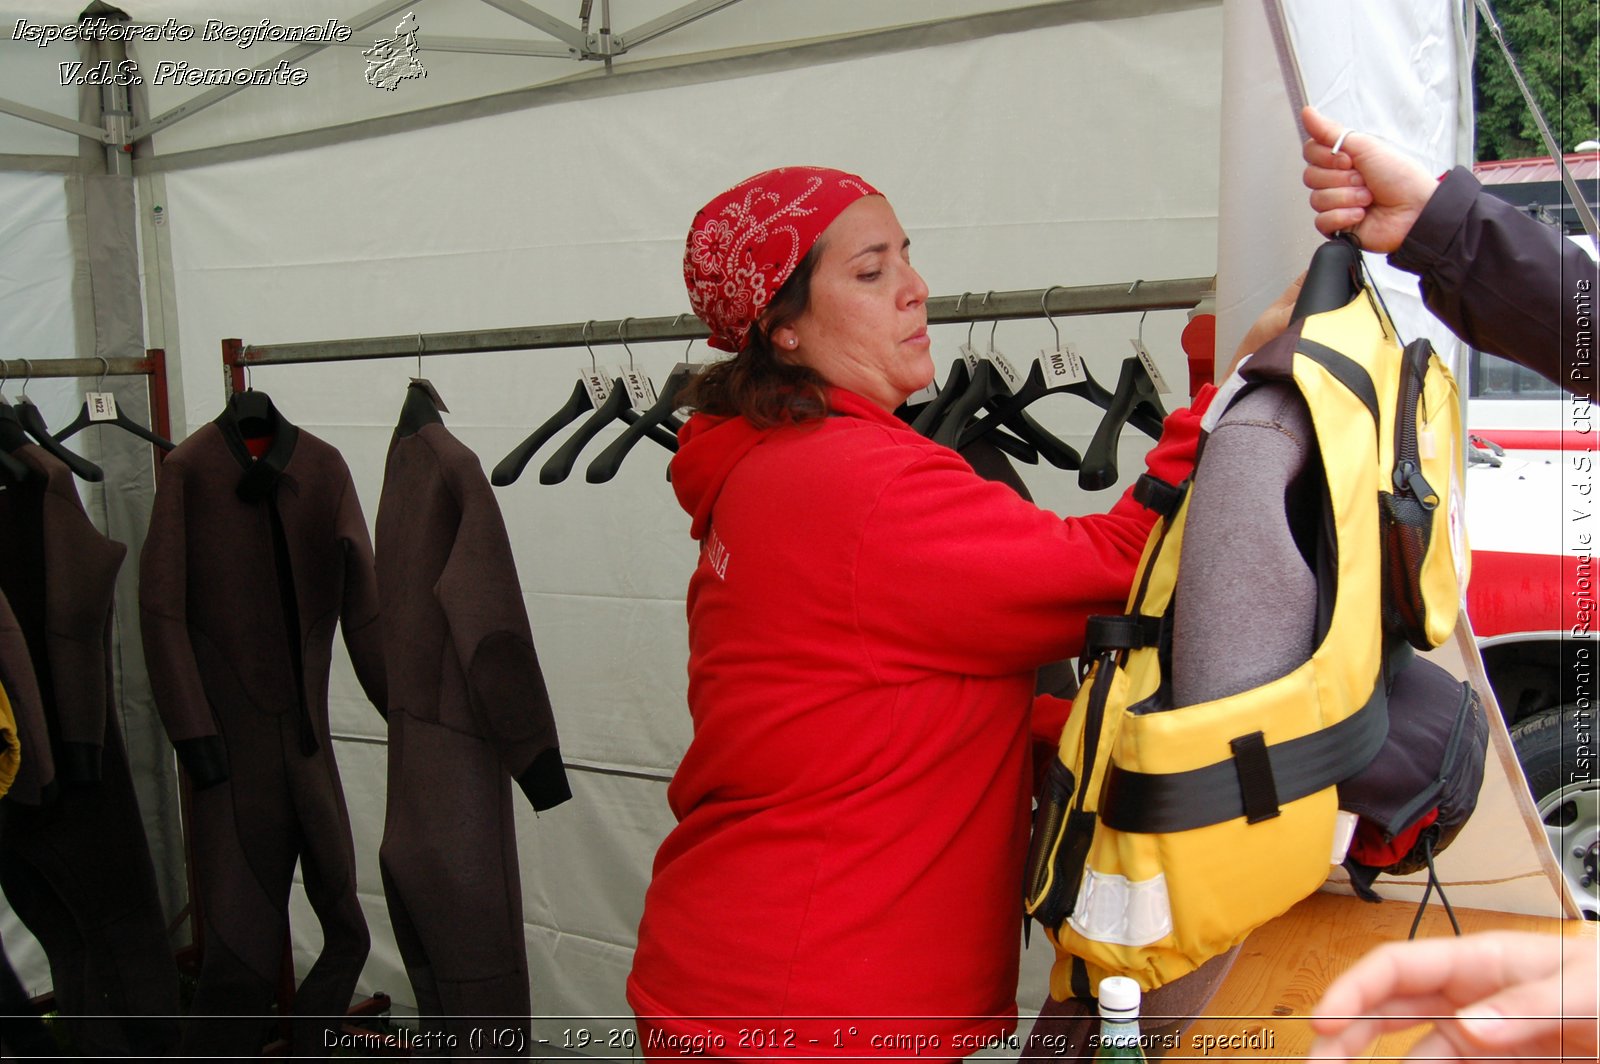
[(864, 626)]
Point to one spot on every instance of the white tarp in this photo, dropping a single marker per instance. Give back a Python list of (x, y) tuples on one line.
[(1074, 152)]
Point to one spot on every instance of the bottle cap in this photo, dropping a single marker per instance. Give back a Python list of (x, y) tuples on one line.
[(1119, 998)]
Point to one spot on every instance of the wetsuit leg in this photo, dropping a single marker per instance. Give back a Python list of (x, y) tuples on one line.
[(451, 864), (328, 873), (245, 841)]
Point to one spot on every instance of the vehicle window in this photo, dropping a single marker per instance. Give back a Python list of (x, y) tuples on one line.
[(1494, 377)]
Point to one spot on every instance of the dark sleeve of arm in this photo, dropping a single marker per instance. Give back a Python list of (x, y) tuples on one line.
[(168, 653), (358, 615), (1503, 282), (482, 599)]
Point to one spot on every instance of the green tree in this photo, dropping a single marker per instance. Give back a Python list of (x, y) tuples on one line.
[(1556, 45)]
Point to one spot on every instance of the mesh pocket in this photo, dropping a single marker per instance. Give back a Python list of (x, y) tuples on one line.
[(1407, 528)]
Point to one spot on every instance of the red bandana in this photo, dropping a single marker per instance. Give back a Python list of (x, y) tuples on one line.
[(745, 243)]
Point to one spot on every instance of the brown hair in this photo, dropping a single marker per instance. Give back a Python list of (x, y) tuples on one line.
[(758, 383)]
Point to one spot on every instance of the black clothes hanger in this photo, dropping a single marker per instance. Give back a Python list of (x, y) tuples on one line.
[(955, 382), (1332, 279), (646, 423), (30, 420), (1135, 391), (924, 417), (512, 465), (987, 389), (559, 465), (121, 421), (252, 413), (418, 410), (12, 437)]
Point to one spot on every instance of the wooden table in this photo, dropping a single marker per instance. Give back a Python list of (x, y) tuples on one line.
[(1264, 1006)]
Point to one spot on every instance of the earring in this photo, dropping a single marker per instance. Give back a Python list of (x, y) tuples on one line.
[(791, 343)]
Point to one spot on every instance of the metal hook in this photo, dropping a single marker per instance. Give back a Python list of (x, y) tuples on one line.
[(249, 384), (985, 303), (970, 323), (105, 367), (583, 334), (1143, 316), (622, 334), (27, 369), (5, 372), (419, 354), (690, 345), (1044, 305)]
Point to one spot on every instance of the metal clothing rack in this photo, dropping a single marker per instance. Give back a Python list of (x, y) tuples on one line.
[(153, 365), (1172, 294)]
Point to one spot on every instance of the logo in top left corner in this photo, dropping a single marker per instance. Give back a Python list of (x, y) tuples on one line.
[(393, 60)]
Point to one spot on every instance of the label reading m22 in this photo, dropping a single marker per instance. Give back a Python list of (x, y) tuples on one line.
[(102, 406)]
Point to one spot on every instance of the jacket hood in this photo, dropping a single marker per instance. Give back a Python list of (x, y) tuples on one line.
[(710, 447)]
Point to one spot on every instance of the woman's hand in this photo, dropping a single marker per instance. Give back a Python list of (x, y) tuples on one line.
[(1272, 321)]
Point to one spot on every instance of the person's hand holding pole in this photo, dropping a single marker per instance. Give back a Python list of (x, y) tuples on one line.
[(1365, 185)]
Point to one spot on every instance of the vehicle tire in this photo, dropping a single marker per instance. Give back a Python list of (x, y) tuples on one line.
[(1556, 749)]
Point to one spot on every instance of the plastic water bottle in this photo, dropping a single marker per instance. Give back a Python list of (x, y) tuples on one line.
[(1119, 1020)]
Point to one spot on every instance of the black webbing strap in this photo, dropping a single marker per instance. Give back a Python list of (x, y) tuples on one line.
[(1346, 370), (1149, 803), (1123, 631), (1256, 785), (1157, 495)]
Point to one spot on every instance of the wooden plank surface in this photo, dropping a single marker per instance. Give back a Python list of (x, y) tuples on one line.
[(1263, 1008)]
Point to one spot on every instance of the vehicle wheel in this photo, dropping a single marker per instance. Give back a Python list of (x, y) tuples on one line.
[(1556, 750)]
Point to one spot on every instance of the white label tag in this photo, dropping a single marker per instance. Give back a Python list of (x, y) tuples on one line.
[(1344, 832), (597, 383), (926, 395), (1062, 366), (972, 357), (1426, 448), (1150, 367), (641, 392), (1008, 372), (102, 406)]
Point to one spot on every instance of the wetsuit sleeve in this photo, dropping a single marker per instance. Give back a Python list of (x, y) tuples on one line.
[(37, 772), (958, 574), (358, 612), (168, 653), (482, 601), (1503, 282)]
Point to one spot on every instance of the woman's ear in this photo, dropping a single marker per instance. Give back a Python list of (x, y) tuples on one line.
[(784, 339)]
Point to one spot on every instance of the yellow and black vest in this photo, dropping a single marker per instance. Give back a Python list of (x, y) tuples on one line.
[(1166, 833)]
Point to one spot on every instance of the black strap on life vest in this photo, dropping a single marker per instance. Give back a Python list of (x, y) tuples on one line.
[(1157, 495), (1152, 803), (1346, 370), (1117, 632)]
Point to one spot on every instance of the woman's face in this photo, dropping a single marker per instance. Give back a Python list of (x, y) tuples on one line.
[(865, 327)]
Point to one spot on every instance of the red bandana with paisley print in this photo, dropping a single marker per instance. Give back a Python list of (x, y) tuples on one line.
[(745, 243)]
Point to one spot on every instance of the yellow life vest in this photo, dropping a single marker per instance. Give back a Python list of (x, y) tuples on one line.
[(1165, 834)]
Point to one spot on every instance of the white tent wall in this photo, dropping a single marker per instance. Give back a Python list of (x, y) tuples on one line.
[(1073, 142), (1016, 161)]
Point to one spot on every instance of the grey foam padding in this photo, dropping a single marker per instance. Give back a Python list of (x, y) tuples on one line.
[(1245, 610)]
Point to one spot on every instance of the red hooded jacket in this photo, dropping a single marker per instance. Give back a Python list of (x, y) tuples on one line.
[(864, 625)]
